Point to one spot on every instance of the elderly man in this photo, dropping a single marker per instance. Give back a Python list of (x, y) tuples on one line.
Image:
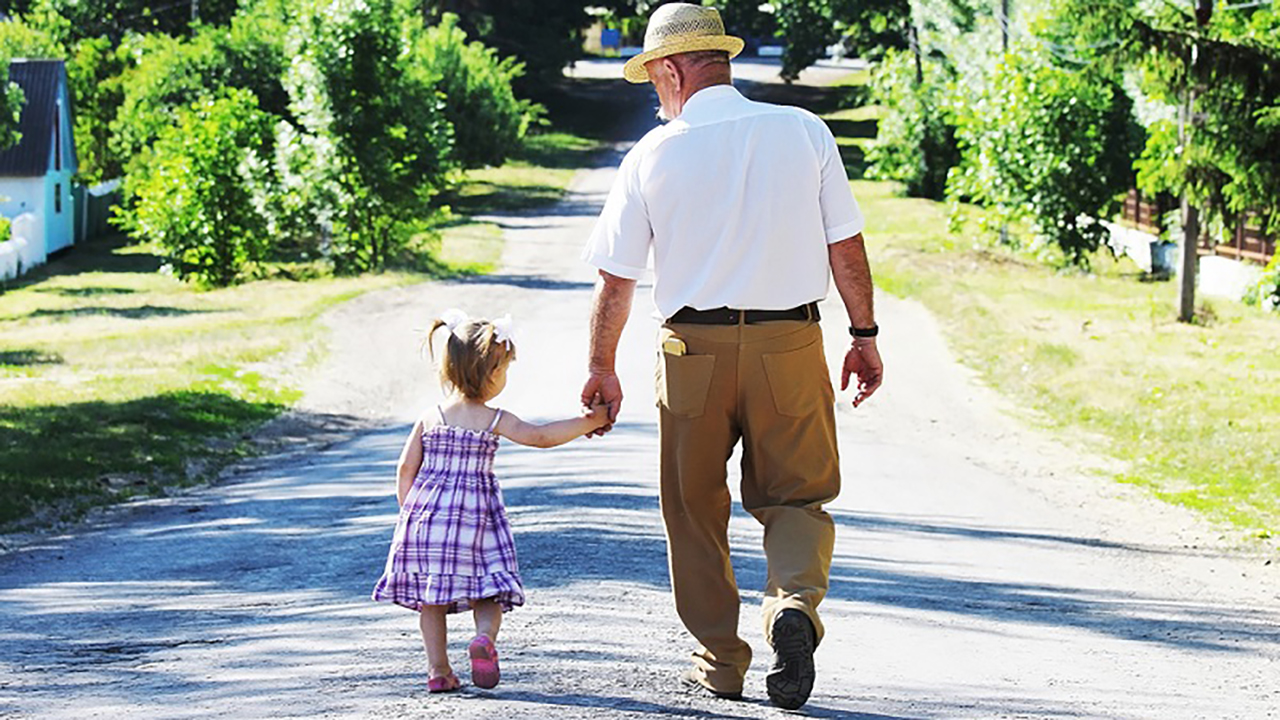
[(747, 212)]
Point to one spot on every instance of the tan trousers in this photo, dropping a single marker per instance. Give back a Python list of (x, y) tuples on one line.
[(766, 384)]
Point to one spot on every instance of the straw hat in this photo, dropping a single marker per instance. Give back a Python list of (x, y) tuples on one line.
[(680, 28)]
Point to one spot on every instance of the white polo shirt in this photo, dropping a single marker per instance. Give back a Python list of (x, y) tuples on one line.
[(736, 200)]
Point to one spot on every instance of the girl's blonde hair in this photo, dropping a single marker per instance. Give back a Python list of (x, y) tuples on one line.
[(471, 356)]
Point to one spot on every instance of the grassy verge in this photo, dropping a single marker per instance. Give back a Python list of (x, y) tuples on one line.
[(1193, 409), (117, 380), (536, 179)]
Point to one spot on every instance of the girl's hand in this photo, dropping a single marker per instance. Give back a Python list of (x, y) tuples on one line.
[(598, 412)]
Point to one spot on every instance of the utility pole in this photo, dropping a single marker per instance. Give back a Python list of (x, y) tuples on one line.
[(195, 11), (1190, 212), (1004, 45), (1004, 25)]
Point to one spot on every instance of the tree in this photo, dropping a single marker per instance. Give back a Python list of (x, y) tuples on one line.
[(194, 199), (118, 18), (544, 35), (1224, 70), (95, 73), (808, 28), (488, 120), (1048, 143), (375, 129), (173, 72), (916, 140)]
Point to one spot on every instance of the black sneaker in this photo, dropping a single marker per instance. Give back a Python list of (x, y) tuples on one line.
[(790, 680), (689, 680)]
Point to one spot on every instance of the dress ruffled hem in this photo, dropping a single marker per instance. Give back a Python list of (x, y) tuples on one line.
[(456, 592)]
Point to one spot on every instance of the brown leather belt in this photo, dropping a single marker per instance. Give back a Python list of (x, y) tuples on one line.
[(732, 316)]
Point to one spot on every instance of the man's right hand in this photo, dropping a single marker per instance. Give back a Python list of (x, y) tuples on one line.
[(603, 387)]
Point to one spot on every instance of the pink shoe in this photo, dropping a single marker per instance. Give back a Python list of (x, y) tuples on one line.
[(484, 662), (444, 683)]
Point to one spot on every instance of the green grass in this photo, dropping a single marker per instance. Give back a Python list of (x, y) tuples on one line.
[(1099, 357), (118, 380), (1192, 409), (536, 179)]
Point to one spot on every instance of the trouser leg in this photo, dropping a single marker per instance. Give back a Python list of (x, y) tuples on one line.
[(697, 434), (790, 466)]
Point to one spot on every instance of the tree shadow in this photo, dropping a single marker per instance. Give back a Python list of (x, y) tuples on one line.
[(85, 454), (141, 312), (28, 357), (86, 292), (604, 109), (528, 282), (818, 99), (279, 562), (854, 128), (855, 161), (101, 255)]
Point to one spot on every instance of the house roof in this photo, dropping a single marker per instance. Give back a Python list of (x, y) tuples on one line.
[(39, 81)]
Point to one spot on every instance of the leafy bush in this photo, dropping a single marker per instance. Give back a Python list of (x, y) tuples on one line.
[(173, 72), (916, 144), (1054, 145), (488, 120), (378, 137), (195, 198)]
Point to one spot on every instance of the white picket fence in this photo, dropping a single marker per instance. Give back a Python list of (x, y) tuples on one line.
[(20, 253)]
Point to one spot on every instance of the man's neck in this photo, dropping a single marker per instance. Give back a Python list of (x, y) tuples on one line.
[(702, 84)]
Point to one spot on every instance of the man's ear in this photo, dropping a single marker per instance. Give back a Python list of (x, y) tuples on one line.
[(675, 71)]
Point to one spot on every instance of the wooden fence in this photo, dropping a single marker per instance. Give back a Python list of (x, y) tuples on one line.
[(1247, 242)]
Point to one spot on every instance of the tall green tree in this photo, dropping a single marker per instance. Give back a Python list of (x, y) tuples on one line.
[(1050, 144), (378, 133), (117, 18), (544, 35), (1233, 162), (488, 120), (173, 72), (195, 198)]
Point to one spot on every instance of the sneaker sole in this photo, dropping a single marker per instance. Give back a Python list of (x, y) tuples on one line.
[(790, 682)]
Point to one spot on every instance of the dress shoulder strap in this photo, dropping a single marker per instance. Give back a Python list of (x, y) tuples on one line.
[(494, 425), (440, 412)]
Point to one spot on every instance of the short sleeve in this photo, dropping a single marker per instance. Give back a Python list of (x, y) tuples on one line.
[(841, 216), (619, 243)]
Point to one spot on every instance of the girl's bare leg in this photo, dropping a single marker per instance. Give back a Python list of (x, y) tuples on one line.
[(435, 638), (488, 616)]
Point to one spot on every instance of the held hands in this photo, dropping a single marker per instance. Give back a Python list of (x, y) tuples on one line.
[(863, 360), (602, 393), (598, 411)]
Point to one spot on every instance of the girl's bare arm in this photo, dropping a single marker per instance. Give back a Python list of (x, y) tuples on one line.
[(553, 433), (410, 462)]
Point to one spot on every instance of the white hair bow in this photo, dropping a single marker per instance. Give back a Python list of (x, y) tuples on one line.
[(504, 330), (453, 319)]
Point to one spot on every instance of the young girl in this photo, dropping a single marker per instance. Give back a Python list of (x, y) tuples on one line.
[(452, 550)]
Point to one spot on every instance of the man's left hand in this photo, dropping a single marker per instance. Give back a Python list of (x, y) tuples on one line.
[(862, 360)]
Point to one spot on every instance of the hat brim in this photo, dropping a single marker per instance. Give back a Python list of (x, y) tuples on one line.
[(634, 70)]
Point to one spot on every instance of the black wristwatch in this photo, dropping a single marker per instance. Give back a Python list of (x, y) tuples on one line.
[(870, 332)]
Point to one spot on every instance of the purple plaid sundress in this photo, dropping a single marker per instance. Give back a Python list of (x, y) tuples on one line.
[(452, 544)]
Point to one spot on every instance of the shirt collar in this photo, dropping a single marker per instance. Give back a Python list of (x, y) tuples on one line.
[(705, 99)]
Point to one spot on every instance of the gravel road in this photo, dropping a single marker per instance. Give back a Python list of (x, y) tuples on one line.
[(982, 569)]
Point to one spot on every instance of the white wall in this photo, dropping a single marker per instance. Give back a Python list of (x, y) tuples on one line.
[(23, 197)]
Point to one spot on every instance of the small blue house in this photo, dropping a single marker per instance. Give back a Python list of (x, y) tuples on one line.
[(36, 173)]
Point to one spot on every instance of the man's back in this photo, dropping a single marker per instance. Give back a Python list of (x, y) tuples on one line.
[(732, 195)]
